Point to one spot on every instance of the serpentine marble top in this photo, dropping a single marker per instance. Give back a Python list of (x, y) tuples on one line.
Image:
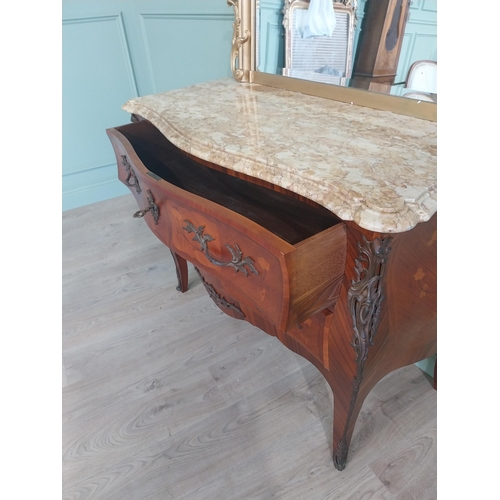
[(376, 168)]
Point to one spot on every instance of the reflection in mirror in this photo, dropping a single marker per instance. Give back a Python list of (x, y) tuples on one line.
[(373, 45), (321, 58)]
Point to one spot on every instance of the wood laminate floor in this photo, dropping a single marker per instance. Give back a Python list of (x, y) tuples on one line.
[(165, 397)]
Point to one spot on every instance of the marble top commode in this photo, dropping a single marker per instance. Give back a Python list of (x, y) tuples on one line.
[(376, 168)]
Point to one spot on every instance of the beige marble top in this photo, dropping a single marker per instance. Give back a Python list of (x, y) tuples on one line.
[(374, 167)]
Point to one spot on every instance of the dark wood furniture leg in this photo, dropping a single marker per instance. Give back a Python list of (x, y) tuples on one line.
[(182, 272)]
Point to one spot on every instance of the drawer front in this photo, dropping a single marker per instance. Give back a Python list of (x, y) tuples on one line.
[(252, 273), (217, 290), (130, 169), (272, 280)]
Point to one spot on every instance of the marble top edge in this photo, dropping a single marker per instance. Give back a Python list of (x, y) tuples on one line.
[(373, 167)]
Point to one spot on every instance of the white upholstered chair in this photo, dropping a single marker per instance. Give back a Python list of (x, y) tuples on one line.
[(422, 81)]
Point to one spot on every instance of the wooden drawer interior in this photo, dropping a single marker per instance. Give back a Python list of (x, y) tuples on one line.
[(288, 217)]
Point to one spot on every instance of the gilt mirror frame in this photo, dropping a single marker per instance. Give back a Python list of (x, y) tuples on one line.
[(244, 70)]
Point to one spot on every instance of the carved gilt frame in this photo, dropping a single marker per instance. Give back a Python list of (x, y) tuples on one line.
[(243, 68)]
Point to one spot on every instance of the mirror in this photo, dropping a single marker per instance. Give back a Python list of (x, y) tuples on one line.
[(287, 45), (365, 61), (405, 31)]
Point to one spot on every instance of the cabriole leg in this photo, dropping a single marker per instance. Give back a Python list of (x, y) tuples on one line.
[(346, 408), (182, 272)]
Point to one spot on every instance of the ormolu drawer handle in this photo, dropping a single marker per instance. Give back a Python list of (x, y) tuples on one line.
[(131, 175), (153, 208), (237, 262)]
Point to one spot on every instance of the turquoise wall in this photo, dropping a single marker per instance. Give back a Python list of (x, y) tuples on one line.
[(271, 37), (420, 39), (114, 50)]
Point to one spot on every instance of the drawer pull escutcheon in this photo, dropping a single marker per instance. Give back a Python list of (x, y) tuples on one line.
[(237, 262), (131, 175), (153, 208)]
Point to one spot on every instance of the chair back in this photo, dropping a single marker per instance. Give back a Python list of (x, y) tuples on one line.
[(422, 77)]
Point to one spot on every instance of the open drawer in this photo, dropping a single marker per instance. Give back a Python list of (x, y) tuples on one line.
[(273, 253)]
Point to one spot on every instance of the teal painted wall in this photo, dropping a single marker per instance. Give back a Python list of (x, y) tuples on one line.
[(271, 37), (114, 50), (420, 39), (427, 365)]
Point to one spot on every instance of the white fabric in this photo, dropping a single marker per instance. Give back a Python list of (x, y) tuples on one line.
[(318, 20)]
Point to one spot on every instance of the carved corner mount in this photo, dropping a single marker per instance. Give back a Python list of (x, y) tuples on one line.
[(237, 42), (367, 294), (364, 299)]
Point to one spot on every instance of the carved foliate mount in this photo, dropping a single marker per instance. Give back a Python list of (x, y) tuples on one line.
[(218, 299), (238, 41), (366, 294), (131, 179), (237, 262), (364, 300)]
